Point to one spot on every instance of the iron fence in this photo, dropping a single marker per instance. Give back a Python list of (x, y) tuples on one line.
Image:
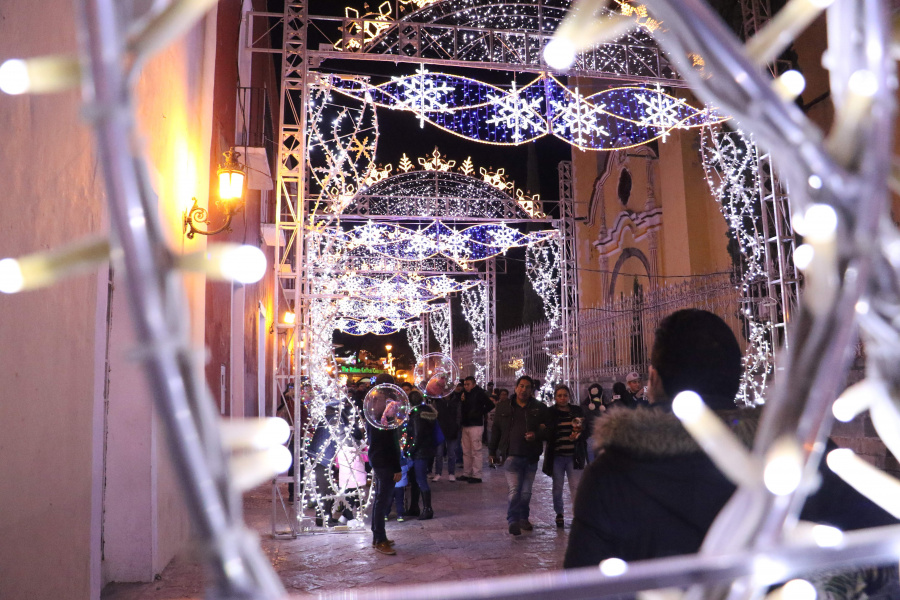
[(615, 338)]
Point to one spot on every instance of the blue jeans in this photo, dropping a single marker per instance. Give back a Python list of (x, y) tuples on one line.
[(520, 473), (384, 493), (564, 466), (420, 465), (449, 449)]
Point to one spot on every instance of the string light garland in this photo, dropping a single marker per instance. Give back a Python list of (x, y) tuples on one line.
[(341, 143), (611, 119), (458, 29), (731, 167), (440, 325), (474, 305), (445, 188), (478, 242), (543, 270), (415, 335)]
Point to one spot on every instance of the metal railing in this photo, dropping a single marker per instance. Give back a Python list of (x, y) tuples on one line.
[(615, 338)]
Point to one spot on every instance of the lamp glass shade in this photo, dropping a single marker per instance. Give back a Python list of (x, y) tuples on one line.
[(231, 184)]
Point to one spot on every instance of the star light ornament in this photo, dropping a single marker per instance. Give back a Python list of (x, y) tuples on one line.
[(661, 111), (420, 94), (578, 117), (518, 114)]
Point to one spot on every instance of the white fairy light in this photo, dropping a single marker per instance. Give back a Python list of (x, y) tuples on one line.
[(559, 54), (878, 486), (784, 467), (11, 278), (827, 536), (613, 567), (789, 85), (803, 256), (719, 443), (857, 398)]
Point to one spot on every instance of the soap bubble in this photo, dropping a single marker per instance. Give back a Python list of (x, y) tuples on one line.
[(386, 406), (436, 375)]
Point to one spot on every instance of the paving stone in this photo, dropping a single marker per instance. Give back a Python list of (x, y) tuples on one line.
[(467, 539)]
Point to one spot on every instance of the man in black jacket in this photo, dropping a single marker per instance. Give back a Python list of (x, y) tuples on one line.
[(520, 425), (475, 405), (384, 456)]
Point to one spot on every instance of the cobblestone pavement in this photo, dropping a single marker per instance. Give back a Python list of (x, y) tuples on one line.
[(467, 539)]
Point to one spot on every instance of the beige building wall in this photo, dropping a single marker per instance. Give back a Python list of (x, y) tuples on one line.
[(87, 486), (670, 226)]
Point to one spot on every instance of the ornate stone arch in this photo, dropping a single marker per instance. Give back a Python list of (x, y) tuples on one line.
[(626, 254)]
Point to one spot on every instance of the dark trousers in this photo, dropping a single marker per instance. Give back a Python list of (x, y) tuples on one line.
[(420, 466), (384, 493)]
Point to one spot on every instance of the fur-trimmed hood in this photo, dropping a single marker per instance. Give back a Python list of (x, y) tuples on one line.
[(658, 432)]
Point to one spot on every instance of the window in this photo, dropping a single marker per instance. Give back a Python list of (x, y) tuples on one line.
[(624, 188)]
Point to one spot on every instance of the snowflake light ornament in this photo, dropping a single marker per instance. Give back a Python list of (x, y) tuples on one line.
[(661, 111), (519, 114), (422, 93), (578, 117)]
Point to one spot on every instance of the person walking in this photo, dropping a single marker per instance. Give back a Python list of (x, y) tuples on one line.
[(520, 425), (449, 418), (566, 451), (474, 406)]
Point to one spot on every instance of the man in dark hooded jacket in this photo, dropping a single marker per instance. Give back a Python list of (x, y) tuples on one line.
[(652, 492)]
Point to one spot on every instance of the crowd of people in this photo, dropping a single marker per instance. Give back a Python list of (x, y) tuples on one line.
[(642, 486)]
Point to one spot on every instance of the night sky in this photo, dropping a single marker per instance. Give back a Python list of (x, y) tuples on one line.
[(532, 166)]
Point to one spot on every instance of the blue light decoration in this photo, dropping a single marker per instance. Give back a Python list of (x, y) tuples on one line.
[(611, 119), (477, 242), (366, 326)]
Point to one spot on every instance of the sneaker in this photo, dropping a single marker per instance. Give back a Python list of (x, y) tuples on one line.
[(385, 548), (560, 521), (515, 529), (526, 525), (343, 520), (388, 542), (451, 478), (436, 478), (473, 480), (462, 478), (400, 518)]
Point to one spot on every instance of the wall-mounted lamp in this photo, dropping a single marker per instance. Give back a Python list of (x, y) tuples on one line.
[(231, 197)]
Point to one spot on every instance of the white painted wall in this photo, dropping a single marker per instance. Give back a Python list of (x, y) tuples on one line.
[(50, 195), (145, 521), (53, 341)]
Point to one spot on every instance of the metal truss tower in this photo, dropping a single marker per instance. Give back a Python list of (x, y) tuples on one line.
[(783, 285), (568, 278)]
